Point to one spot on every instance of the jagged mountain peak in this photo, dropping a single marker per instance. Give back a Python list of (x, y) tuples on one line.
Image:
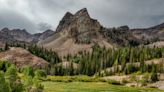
[(80, 21), (5, 29), (67, 15), (82, 12)]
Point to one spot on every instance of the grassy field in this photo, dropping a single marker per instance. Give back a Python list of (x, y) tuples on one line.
[(91, 87)]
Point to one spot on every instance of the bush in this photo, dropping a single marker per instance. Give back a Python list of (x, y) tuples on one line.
[(28, 71), (145, 78), (13, 80), (154, 77), (4, 65), (40, 74), (4, 86), (124, 81), (33, 85), (10, 82), (114, 82)]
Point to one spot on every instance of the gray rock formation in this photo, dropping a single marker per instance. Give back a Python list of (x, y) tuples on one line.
[(80, 26)]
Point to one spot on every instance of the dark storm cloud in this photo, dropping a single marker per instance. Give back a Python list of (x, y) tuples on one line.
[(12, 20), (33, 13), (135, 13)]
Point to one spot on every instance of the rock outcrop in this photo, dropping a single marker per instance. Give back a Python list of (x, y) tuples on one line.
[(79, 26)]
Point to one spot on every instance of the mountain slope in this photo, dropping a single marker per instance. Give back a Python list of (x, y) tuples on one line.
[(44, 35), (75, 33), (21, 58)]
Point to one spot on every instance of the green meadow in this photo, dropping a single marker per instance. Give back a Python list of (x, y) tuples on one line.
[(91, 87)]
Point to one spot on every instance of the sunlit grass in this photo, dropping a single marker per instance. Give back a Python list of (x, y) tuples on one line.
[(91, 87)]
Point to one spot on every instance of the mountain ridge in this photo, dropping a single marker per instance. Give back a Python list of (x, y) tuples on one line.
[(79, 32), (21, 35)]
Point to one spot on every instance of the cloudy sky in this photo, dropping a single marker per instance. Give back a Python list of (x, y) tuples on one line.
[(39, 15)]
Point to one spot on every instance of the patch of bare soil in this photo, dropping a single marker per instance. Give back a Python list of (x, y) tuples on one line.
[(156, 44), (134, 81)]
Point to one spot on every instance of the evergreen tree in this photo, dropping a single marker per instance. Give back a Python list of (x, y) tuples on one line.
[(13, 80), (4, 86), (6, 46), (28, 71), (154, 75)]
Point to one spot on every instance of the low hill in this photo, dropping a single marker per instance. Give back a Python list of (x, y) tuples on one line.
[(21, 58)]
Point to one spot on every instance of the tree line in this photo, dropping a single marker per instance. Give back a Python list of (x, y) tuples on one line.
[(101, 58), (91, 63)]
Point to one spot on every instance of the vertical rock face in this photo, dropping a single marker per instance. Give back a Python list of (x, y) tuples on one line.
[(85, 23), (80, 22), (80, 26), (65, 22)]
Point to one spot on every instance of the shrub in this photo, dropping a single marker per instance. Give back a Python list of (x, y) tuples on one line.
[(114, 82), (28, 71), (4, 65), (13, 80), (40, 74), (154, 77), (145, 79), (33, 85), (124, 81), (4, 86)]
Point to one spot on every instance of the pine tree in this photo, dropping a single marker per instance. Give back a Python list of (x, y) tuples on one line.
[(154, 75), (4, 86), (6, 46)]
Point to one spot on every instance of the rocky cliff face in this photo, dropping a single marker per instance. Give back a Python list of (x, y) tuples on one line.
[(80, 26), (75, 32)]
